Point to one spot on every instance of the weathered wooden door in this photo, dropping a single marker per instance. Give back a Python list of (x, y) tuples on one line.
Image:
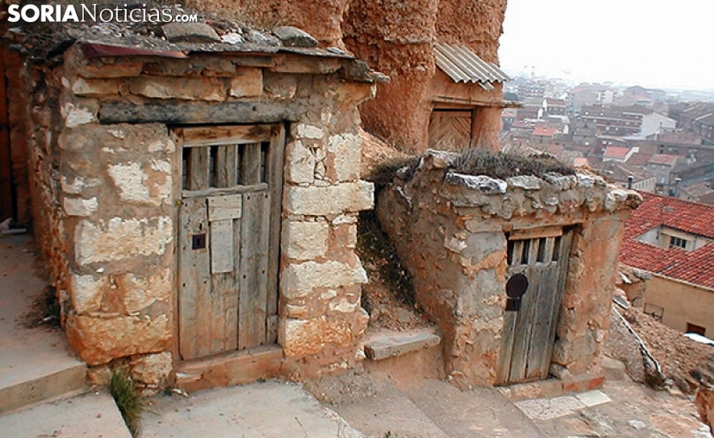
[(228, 237), (531, 321), (450, 130)]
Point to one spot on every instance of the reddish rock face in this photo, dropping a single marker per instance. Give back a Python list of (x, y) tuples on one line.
[(321, 19), (476, 24)]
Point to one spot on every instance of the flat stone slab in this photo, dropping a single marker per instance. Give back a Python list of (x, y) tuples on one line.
[(481, 412), (548, 408), (388, 413), (190, 33), (35, 363), (593, 398), (294, 37), (398, 343), (89, 415), (270, 409)]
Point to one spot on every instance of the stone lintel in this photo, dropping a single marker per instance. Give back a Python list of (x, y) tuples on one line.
[(219, 112)]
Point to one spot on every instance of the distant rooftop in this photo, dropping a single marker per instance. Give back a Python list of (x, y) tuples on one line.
[(616, 152), (678, 137), (544, 131), (667, 159), (692, 266)]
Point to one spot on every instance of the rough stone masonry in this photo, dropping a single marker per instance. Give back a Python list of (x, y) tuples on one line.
[(450, 231), (105, 178)]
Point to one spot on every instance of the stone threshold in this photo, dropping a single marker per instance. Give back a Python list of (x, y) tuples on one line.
[(234, 368), (383, 345), (552, 387)]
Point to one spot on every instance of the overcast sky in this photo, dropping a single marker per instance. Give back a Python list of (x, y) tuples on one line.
[(647, 42)]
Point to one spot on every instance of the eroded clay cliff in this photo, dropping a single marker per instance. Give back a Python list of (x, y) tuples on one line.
[(397, 38)]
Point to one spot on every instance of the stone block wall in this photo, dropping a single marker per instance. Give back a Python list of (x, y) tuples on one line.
[(105, 194), (450, 233)]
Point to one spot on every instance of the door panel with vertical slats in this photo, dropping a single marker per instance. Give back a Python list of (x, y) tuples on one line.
[(229, 238), (529, 332)]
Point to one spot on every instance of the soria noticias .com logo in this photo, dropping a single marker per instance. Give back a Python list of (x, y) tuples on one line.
[(95, 13)]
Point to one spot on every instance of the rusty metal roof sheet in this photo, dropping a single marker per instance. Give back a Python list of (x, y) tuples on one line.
[(463, 65)]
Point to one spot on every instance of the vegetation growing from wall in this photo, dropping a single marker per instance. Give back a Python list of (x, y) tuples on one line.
[(128, 399)]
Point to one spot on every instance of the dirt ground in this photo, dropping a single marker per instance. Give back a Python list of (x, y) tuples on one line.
[(388, 296), (633, 411), (678, 356)]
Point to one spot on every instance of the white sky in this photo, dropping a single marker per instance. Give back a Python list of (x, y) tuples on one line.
[(653, 43)]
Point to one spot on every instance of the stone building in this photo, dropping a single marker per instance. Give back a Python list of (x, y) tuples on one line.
[(196, 197), (518, 274)]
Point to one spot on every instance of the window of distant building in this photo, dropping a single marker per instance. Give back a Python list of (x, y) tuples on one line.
[(693, 328), (677, 242)]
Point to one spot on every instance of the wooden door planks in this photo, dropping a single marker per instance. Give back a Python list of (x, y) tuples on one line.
[(250, 164), (521, 335), (253, 302), (221, 246), (275, 166), (529, 334), (563, 261), (228, 298), (194, 280), (199, 169), (227, 166)]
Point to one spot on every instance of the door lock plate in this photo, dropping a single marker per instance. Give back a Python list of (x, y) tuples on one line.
[(198, 241)]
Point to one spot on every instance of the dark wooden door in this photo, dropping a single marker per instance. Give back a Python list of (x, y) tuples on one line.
[(529, 330), (229, 238), (450, 130), (6, 191)]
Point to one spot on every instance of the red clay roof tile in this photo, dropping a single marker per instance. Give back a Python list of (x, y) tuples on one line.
[(696, 266)]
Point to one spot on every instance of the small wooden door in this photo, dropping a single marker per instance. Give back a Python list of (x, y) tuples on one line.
[(450, 130), (529, 326), (228, 238)]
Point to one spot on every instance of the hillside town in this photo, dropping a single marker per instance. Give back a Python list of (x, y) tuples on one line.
[(645, 139)]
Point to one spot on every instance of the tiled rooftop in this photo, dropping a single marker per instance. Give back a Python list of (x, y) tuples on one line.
[(663, 159), (544, 131), (616, 152), (692, 266)]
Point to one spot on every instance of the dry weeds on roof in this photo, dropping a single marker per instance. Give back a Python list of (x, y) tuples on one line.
[(503, 165)]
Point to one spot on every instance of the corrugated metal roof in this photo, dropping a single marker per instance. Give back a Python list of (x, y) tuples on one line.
[(463, 65)]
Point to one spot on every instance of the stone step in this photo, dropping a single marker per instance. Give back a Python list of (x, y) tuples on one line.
[(384, 345), (65, 382), (88, 415), (35, 363), (269, 409), (613, 369), (482, 412), (230, 369), (389, 412)]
